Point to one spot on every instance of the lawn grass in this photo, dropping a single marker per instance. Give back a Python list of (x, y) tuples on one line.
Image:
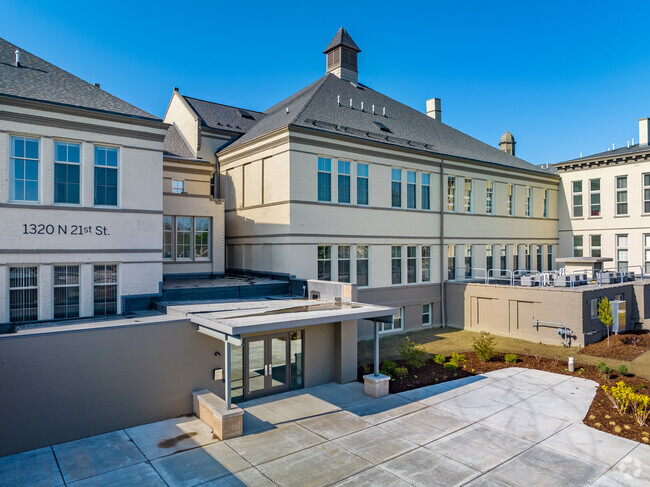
[(448, 340)]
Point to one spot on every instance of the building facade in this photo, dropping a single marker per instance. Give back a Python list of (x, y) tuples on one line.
[(80, 195), (605, 205)]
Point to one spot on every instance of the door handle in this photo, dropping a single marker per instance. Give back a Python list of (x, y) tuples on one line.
[(267, 369)]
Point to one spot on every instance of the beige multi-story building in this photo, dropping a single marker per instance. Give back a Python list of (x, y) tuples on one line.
[(80, 195), (604, 205), (340, 182)]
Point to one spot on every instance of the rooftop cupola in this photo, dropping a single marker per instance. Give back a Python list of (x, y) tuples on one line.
[(342, 57), (507, 143)]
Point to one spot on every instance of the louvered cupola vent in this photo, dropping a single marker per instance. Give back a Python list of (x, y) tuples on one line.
[(342, 57)]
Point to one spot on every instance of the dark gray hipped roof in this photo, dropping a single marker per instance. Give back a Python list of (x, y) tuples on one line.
[(622, 151), (316, 107), (224, 117), (176, 145), (342, 38), (36, 79)]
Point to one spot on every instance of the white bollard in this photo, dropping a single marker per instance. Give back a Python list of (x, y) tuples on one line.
[(571, 365)]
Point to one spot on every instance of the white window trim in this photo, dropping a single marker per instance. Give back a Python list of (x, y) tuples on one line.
[(40, 169), (81, 171), (119, 175), (178, 181)]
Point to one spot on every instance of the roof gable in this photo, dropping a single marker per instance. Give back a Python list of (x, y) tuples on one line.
[(36, 79), (224, 117)]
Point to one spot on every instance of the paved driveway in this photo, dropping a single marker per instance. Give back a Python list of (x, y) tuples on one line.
[(511, 427)]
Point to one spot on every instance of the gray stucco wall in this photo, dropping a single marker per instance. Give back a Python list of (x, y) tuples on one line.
[(57, 387)]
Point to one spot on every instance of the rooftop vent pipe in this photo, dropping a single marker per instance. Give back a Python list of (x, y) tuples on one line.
[(17, 58)]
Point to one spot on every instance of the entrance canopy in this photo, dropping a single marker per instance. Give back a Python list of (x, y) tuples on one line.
[(234, 318)]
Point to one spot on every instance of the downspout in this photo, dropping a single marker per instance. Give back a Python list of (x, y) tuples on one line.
[(443, 311)]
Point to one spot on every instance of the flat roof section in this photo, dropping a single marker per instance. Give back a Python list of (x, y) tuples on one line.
[(237, 318)]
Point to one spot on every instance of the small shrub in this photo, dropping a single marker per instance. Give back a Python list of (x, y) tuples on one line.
[(511, 358), (388, 368), (457, 358), (366, 369), (556, 360), (619, 395), (604, 369), (484, 346), (439, 359), (580, 370), (413, 353), (450, 366), (621, 369), (401, 373), (640, 408)]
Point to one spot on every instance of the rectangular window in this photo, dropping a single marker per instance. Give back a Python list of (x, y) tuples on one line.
[(549, 258), (539, 258), (578, 245), (621, 252), (468, 195), (66, 291), (411, 264), (468, 261), (489, 198), (105, 289), (546, 203), (324, 179), (410, 189), (344, 263), (362, 184), (646, 193), (488, 257), (398, 322), (168, 235), (201, 238), (396, 188), (527, 256), (183, 237), (503, 259), (528, 210), (24, 169), (23, 294), (396, 264), (426, 314), (511, 200), (646, 252), (106, 176), (344, 181), (426, 263), (515, 257), (576, 192), (178, 186), (621, 195), (67, 166), (362, 265), (451, 193), (594, 245), (324, 263), (426, 191), (594, 197), (451, 262)]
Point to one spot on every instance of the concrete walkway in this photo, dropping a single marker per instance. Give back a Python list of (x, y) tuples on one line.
[(511, 427)]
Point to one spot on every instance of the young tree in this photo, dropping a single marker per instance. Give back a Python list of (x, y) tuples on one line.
[(605, 315)]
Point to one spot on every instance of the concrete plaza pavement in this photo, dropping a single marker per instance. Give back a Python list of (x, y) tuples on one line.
[(511, 427)]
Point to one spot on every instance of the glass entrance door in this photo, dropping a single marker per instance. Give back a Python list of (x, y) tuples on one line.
[(268, 364)]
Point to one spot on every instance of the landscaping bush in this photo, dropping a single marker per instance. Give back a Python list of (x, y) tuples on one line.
[(604, 369), (511, 358), (413, 353), (388, 368), (621, 369), (401, 372), (640, 408), (450, 366), (439, 359), (457, 359), (624, 397), (484, 346)]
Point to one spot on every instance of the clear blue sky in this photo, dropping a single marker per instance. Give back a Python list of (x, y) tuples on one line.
[(563, 77)]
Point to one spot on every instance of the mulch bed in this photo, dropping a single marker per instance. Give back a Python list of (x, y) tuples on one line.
[(626, 346), (601, 414)]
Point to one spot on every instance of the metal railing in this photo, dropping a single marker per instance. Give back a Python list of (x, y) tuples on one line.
[(500, 277)]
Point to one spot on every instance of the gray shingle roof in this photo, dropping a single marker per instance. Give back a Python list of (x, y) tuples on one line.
[(224, 117), (316, 107), (342, 38), (36, 79), (622, 151), (176, 145)]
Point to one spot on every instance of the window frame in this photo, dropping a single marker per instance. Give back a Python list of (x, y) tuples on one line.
[(428, 313), (592, 193), (646, 253), (546, 196), (645, 195), (12, 169), (396, 265), (396, 187), (383, 327), (107, 167), (411, 264), (620, 248), (171, 233), (425, 263), (593, 247), (425, 188), (468, 195), (528, 208), (363, 179), (66, 286), (325, 261), (190, 244), (451, 262), (324, 175), (510, 205), (411, 190), (344, 177), (451, 194), (623, 192), (34, 270), (105, 284), (489, 197), (195, 256), (68, 164), (182, 186), (577, 194), (365, 259), (577, 244), (342, 260), (469, 259)]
